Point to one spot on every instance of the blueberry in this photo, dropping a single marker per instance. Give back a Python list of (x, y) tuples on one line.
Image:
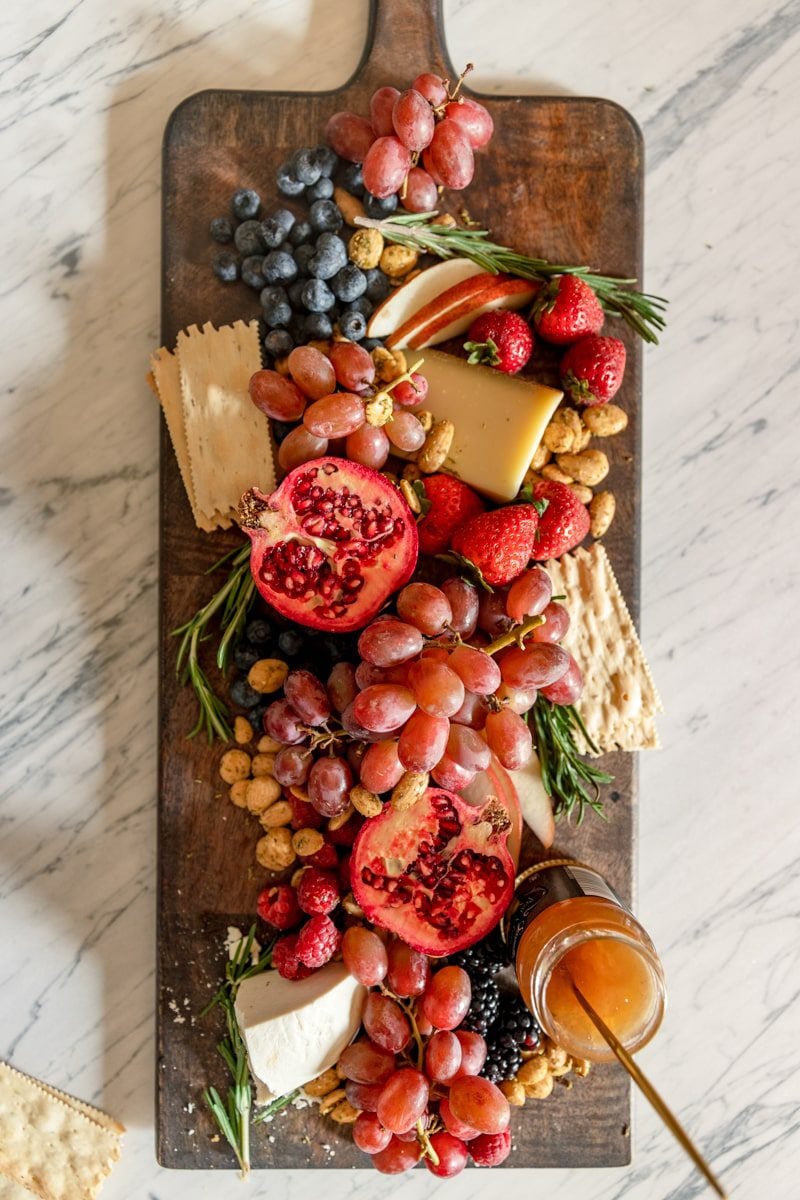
[(349, 283), (371, 344), (252, 274), (296, 327), (278, 343), (290, 642), (245, 204), (376, 208), (326, 159), (317, 296), (279, 267), (272, 233), (273, 295), (353, 325), (351, 177), (317, 327), (258, 631), (325, 216), (242, 695), (303, 256), (280, 430), (300, 232), (336, 649), (330, 255), (285, 219), (296, 293), (226, 266), (363, 305), (304, 166), (321, 190), (378, 286), (248, 238), (244, 656), (287, 183), (221, 230), (255, 716)]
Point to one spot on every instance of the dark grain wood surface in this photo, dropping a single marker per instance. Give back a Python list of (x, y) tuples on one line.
[(561, 179)]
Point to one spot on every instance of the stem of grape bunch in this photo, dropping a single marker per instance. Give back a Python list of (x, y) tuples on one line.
[(421, 231)]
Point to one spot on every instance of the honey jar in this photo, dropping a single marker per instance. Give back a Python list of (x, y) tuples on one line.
[(567, 930)]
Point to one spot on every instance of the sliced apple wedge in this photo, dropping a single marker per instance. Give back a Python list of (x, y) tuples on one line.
[(536, 805), (501, 291), (418, 293), (442, 306)]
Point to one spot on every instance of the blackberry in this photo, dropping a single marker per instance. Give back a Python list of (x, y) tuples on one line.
[(517, 1023), (503, 1060), (485, 1004), (484, 958)]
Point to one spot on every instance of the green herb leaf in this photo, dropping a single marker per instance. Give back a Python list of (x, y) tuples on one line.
[(571, 781)]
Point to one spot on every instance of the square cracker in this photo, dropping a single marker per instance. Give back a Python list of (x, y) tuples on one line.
[(56, 1147), (228, 440), (619, 700), (11, 1190)]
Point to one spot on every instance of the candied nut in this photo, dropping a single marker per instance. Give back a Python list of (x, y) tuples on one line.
[(541, 1089), (238, 792), (581, 1067), (556, 1059), (331, 1100), (541, 457), (267, 675), (409, 790), (365, 802), (533, 1071), (583, 492), (351, 907), (551, 471), (299, 793), (349, 206), (601, 510), (388, 364), (589, 467), (262, 792), (307, 841), (531, 479), (605, 420), (234, 765), (341, 818), (268, 745), (321, 344), (446, 219), (298, 875), (365, 248), (410, 496), (425, 419), (411, 472), (398, 260), (582, 440), (564, 1069), (242, 731), (344, 1113), (558, 437), (437, 447), (275, 850), (263, 764), (279, 813), (323, 1085), (514, 1092), (379, 409)]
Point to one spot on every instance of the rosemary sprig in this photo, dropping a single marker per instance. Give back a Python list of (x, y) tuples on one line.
[(230, 605), (570, 780), (642, 311), (233, 1114)]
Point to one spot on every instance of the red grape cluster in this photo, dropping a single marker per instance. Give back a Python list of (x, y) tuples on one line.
[(427, 120), (334, 398), (415, 1075)]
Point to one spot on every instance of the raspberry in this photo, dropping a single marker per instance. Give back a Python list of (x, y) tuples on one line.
[(285, 960), (317, 941), (490, 1149), (344, 874), (325, 858), (304, 815), (279, 906), (317, 891)]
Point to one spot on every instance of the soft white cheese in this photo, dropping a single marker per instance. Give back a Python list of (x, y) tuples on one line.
[(295, 1030)]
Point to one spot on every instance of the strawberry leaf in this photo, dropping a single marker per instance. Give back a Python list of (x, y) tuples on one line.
[(467, 568), (425, 505), (483, 352), (541, 506)]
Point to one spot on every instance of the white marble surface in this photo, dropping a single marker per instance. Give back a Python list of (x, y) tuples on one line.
[(86, 89)]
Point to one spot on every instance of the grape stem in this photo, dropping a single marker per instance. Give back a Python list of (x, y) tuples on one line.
[(515, 636), (424, 1141)]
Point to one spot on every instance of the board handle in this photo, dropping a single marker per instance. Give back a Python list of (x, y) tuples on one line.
[(404, 38)]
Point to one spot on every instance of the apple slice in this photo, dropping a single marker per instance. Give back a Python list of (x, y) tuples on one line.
[(450, 301), (536, 805), (405, 301), (501, 292)]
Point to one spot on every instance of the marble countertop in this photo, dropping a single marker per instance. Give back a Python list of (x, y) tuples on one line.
[(87, 88)]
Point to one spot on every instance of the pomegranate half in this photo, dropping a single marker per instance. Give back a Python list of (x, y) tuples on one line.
[(440, 875), (331, 544)]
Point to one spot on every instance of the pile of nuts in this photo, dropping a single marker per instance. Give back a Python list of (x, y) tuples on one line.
[(536, 1077), (328, 1090), (564, 456)]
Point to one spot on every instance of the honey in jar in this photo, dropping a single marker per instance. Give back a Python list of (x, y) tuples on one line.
[(567, 927)]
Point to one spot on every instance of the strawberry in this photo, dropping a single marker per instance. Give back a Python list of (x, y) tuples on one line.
[(450, 503), (567, 309), (498, 544), (592, 369), (500, 339), (563, 524)]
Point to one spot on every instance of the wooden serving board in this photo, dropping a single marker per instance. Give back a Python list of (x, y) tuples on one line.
[(561, 179)]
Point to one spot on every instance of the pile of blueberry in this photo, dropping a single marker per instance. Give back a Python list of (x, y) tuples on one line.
[(299, 265)]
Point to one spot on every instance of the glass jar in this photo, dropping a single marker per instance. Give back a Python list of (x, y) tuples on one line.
[(567, 927)]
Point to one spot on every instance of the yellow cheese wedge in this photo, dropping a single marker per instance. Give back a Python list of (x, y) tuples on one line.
[(499, 421)]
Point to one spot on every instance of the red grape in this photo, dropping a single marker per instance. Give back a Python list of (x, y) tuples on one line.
[(383, 707), (422, 742), (451, 1152), (431, 87), (466, 747), (451, 775), (342, 688), (369, 446), (349, 135), (397, 1157), (447, 998), (291, 766), (537, 665), (386, 1023), (437, 689), (381, 769), (363, 1095), (364, 1062), (555, 626), (409, 970), (367, 674), (473, 1052), (364, 955), (312, 371), (426, 607), (329, 783), (568, 688), (368, 1133), (420, 193), (519, 700), (458, 1128), (478, 671), (492, 616), (283, 723), (479, 1104), (411, 392), (529, 594), (510, 738), (451, 156), (307, 697), (472, 119), (403, 1100), (386, 166), (353, 365), (464, 602), (431, 168), (405, 431), (276, 396), (334, 416), (472, 712), (380, 110), (413, 120), (388, 642), (298, 447), (442, 1056)]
